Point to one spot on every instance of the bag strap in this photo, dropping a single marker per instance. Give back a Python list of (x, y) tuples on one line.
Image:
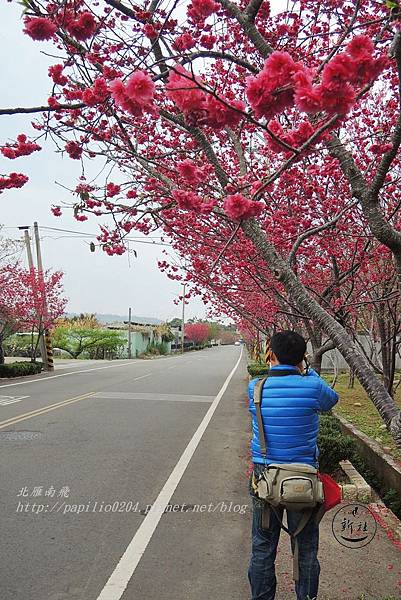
[(307, 514), (257, 400), (297, 468)]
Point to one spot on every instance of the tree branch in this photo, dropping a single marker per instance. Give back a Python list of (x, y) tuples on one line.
[(252, 9), (36, 109), (249, 28), (204, 144), (314, 230)]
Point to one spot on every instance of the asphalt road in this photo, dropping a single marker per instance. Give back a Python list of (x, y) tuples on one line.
[(126, 480)]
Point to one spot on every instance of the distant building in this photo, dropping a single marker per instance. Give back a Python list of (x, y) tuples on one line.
[(145, 338)]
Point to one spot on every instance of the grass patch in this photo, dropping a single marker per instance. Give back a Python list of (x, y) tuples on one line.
[(365, 417)]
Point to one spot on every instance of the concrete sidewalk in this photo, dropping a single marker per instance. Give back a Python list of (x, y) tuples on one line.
[(372, 572)]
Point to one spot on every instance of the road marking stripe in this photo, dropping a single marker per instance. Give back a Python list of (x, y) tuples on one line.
[(157, 397), (6, 400), (41, 379), (119, 579), (40, 411)]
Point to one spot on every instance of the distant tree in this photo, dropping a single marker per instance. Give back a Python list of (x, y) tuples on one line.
[(9, 249), (214, 330), (197, 332), (84, 320), (76, 340), (164, 332), (175, 322), (228, 337), (27, 302)]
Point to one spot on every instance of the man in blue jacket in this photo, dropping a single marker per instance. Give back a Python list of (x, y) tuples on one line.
[(290, 407)]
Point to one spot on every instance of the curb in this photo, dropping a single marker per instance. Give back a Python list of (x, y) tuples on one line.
[(358, 489)]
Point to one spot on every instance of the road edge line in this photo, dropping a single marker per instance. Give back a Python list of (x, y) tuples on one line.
[(120, 577)]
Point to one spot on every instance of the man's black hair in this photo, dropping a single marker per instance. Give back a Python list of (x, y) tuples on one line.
[(289, 347)]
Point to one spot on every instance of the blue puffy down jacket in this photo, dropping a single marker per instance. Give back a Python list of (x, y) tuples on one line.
[(290, 411)]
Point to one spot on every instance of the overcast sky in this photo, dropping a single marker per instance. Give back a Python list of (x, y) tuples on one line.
[(94, 282)]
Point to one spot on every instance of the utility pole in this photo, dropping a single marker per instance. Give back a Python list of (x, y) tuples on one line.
[(48, 363), (183, 319), (129, 333), (28, 249), (27, 241)]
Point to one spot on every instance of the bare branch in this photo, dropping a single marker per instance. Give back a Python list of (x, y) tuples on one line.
[(124, 9), (315, 230), (231, 238), (37, 109)]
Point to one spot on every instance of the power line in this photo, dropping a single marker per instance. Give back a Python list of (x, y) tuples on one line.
[(83, 235)]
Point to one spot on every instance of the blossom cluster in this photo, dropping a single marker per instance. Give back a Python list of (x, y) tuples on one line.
[(81, 26), (21, 148), (188, 200), (238, 207), (283, 83), (39, 28), (199, 10), (13, 180), (111, 242), (293, 138), (56, 73), (97, 94), (74, 150), (136, 95), (201, 107), (190, 171)]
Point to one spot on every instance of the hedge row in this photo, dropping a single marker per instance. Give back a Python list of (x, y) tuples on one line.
[(257, 370), (18, 369)]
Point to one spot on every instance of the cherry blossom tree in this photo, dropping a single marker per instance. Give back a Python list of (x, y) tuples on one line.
[(197, 332), (27, 302), (226, 124)]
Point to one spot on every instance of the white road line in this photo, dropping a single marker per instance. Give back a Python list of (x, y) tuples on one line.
[(119, 579), (124, 364), (6, 400), (157, 397), (66, 374)]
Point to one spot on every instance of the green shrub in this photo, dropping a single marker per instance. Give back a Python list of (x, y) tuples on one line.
[(334, 448), (329, 424), (18, 369), (333, 445), (156, 348), (21, 345), (393, 501), (257, 370)]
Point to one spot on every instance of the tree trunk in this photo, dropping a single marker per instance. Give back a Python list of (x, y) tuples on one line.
[(385, 405), (351, 378), (1, 350)]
